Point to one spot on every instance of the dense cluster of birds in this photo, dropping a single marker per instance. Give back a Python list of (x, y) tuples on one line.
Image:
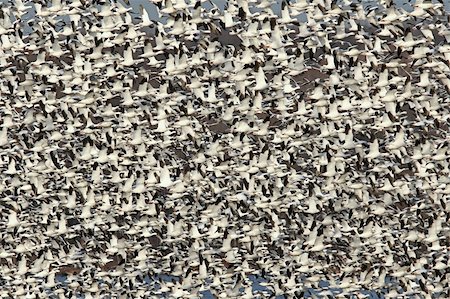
[(178, 157)]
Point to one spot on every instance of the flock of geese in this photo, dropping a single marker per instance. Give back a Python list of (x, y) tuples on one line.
[(179, 157)]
